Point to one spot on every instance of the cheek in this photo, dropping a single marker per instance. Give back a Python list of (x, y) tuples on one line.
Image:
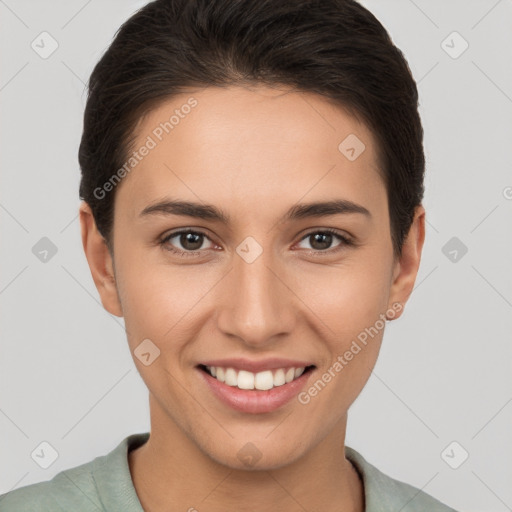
[(158, 304), (350, 296), (160, 301), (350, 303), (353, 311)]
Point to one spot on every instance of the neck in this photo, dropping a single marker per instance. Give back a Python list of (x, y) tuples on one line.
[(169, 470)]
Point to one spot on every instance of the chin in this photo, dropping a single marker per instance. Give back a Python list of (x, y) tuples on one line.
[(255, 456)]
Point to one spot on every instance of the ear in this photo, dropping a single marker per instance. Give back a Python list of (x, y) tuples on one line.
[(100, 261), (406, 268)]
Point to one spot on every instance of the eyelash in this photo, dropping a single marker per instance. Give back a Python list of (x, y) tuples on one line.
[(346, 242)]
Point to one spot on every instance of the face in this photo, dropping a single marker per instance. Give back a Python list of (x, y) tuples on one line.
[(254, 278)]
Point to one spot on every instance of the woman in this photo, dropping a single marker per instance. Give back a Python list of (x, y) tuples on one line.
[(252, 179)]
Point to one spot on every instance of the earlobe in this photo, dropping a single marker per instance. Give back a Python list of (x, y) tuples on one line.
[(406, 269), (100, 261)]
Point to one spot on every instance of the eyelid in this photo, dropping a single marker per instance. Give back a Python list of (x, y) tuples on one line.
[(332, 231)]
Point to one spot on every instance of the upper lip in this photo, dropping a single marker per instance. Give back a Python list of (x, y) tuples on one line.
[(257, 366)]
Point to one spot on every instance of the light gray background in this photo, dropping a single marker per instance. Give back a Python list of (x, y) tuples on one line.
[(444, 373)]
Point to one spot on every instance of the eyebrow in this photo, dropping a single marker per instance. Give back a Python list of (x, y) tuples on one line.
[(211, 212)]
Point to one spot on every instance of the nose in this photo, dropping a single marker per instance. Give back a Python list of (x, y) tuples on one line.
[(257, 306)]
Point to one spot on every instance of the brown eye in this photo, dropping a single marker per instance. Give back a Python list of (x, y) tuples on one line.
[(191, 241), (187, 243), (322, 240)]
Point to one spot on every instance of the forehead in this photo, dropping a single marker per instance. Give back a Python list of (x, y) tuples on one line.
[(251, 142)]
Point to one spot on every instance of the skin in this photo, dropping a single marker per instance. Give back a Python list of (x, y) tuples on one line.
[(253, 152)]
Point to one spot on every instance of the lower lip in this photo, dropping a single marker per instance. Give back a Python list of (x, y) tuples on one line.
[(255, 401)]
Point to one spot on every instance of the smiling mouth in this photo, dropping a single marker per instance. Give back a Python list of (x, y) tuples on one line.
[(262, 381)]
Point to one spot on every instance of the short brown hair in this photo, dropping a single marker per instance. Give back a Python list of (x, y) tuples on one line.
[(335, 48)]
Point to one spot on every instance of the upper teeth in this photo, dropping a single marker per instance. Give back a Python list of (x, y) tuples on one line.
[(261, 380)]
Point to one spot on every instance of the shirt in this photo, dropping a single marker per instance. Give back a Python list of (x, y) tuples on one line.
[(105, 484)]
